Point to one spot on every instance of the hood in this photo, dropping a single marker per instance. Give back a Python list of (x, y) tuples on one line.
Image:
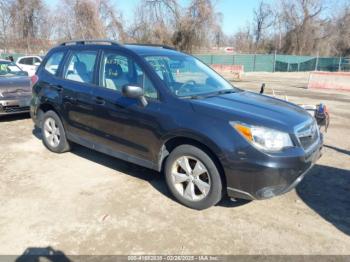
[(254, 109), (14, 86)]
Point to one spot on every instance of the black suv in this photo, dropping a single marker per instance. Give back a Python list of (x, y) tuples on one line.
[(166, 110)]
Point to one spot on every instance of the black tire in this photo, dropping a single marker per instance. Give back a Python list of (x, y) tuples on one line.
[(215, 192), (63, 145)]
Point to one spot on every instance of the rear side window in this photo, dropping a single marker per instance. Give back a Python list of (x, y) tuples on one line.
[(80, 67), (26, 61), (53, 62), (36, 60)]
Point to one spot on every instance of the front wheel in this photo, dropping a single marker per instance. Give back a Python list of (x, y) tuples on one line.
[(193, 178), (53, 133)]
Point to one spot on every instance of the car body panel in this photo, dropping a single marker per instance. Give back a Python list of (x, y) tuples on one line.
[(15, 95), (254, 108)]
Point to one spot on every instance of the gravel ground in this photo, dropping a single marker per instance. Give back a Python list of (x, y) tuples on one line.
[(84, 202)]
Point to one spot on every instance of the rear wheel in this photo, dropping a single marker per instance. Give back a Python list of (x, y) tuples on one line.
[(193, 178), (53, 133)]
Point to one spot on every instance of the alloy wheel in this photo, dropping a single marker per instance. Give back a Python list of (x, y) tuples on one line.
[(52, 132), (190, 178)]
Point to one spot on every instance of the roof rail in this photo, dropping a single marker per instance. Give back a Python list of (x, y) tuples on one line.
[(154, 45), (90, 41)]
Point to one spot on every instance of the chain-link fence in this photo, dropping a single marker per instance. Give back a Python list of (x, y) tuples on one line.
[(279, 63)]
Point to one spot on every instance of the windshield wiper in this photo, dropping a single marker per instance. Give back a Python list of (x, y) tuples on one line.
[(195, 97), (221, 92), (192, 97), (226, 91), (201, 96)]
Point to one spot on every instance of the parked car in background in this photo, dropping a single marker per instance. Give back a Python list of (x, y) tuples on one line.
[(29, 63), (15, 89), (168, 111)]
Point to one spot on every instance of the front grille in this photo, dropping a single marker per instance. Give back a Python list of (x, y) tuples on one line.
[(308, 135), (15, 109)]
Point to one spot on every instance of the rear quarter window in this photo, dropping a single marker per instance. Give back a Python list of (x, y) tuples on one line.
[(53, 62), (26, 61)]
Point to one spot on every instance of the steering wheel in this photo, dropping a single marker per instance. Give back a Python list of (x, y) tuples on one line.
[(184, 85)]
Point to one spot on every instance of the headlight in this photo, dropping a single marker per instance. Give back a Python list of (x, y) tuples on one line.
[(263, 138)]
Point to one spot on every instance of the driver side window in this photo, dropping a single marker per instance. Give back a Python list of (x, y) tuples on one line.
[(118, 70)]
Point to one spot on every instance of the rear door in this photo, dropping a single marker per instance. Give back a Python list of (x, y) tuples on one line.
[(77, 82)]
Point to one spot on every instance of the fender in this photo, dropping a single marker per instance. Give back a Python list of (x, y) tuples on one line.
[(186, 134)]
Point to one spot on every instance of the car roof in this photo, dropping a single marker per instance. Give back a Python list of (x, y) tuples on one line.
[(144, 50), (139, 49), (28, 56), (4, 60)]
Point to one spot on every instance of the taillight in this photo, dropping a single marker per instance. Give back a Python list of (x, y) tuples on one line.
[(34, 79)]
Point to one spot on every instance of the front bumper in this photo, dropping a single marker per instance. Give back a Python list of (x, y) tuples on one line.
[(269, 177), (11, 106)]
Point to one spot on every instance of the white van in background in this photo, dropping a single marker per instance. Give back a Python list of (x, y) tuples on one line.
[(29, 63)]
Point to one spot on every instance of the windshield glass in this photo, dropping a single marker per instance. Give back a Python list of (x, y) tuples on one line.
[(186, 76), (10, 69)]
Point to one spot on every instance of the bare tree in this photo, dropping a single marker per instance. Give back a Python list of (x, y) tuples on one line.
[(263, 19), (5, 22), (342, 32), (88, 19), (87, 22), (194, 29), (243, 40), (303, 25), (27, 20), (155, 21), (112, 21)]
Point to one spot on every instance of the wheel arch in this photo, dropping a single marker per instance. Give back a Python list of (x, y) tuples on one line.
[(42, 109), (206, 145)]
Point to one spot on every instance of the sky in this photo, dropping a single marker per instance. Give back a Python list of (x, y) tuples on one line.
[(236, 13)]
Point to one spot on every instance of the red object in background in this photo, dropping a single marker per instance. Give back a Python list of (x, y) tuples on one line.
[(34, 79), (229, 49)]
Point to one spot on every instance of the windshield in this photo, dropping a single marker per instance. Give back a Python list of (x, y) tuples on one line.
[(10, 69), (187, 77)]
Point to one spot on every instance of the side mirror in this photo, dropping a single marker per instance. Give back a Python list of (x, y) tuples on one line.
[(37, 63), (135, 92)]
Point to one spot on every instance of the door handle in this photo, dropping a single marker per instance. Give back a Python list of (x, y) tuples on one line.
[(99, 100), (71, 99), (58, 88)]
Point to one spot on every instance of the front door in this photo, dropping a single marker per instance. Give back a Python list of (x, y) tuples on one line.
[(123, 123)]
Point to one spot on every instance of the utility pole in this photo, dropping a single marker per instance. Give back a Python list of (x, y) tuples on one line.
[(339, 65), (316, 64)]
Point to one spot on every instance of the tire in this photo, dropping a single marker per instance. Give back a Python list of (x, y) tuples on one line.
[(52, 124), (199, 187)]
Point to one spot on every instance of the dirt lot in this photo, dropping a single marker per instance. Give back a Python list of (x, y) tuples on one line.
[(85, 202)]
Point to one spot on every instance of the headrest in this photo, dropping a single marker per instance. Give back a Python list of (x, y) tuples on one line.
[(80, 67), (113, 70)]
